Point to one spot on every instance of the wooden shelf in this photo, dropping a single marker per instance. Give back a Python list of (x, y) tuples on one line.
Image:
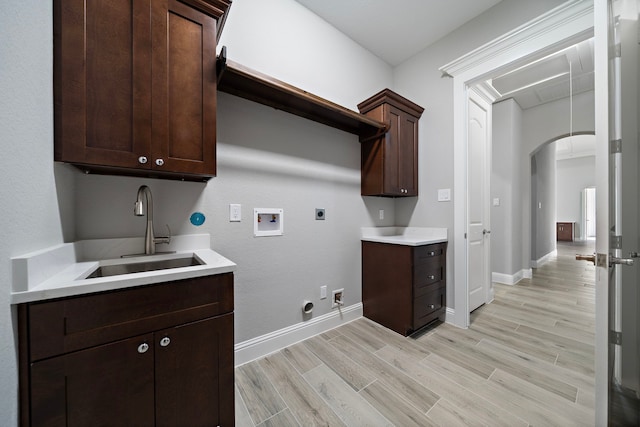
[(244, 82)]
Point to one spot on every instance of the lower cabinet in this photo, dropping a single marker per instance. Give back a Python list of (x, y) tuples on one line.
[(565, 231), (168, 375), (403, 287)]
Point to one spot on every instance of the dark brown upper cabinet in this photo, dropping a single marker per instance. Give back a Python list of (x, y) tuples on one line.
[(390, 162), (135, 86)]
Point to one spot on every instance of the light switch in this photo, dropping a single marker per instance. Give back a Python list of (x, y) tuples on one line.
[(444, 195), (496, 201), (235, 212)]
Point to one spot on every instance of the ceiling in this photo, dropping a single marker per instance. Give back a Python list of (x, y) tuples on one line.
[(395, 37)]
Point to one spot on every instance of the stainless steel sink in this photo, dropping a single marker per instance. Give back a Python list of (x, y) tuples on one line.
[(138, 267)]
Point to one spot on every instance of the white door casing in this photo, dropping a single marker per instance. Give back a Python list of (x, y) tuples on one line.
[(478, 232)]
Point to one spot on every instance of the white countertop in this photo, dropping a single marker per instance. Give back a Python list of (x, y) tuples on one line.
[(60, 271), (408, 236)]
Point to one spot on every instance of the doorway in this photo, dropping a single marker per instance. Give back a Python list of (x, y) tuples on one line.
[(562, 27)]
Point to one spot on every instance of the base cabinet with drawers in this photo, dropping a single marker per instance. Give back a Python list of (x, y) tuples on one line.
[(157, 355), (403, 287)]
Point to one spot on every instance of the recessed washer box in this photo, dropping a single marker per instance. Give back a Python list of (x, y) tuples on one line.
[(268, 222)]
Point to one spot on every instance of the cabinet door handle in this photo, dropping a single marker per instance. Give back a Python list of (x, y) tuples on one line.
[(431, 277), (165, 341), (431, 306), (142, 348), (159, 162), (432, 253), (142, 160)]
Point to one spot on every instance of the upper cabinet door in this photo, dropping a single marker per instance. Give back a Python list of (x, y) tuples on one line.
[(184, 89), (102, 80), (390, 163)]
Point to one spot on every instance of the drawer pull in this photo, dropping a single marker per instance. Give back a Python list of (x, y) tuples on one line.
[(431, 306), (165, 341), (431, 277), (142, 348), (432, 253)]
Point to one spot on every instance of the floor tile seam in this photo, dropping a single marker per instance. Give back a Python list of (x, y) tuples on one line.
[(394, 370), (253, 423), (347, 386), (567, 376), (264, 374), (274, 386), (274, 415)]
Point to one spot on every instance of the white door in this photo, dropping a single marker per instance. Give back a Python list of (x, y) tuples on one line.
[(478, 231)]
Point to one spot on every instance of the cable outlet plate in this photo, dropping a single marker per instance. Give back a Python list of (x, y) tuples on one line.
[(319, 214)]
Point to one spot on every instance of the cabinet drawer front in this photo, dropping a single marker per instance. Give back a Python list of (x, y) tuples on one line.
[(427, 307), (425, 275), (429, 252), (70, 324)]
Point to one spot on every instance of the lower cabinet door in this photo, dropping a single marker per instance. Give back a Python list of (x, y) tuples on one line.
[(194, 374), (106, 385)]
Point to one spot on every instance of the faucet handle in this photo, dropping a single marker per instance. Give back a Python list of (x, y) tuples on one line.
[(165, 239)]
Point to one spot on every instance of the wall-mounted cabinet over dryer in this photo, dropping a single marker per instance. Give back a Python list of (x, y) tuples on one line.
[(135, 86), (390, 162)]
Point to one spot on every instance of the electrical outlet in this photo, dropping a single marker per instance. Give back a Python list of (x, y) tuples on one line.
[(337, 298), (381, 213), (323, 292), (235, 212)]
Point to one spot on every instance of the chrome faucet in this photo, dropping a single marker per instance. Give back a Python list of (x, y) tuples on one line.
[(150, 241)]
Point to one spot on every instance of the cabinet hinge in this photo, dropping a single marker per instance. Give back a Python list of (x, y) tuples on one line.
[(615, 146), (615, 337), (615, 242), (465, 235)]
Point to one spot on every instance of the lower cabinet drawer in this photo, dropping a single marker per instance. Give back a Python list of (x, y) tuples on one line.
[(428, 306)]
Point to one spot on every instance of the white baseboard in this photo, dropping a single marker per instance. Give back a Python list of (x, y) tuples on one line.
[(258, 347), (511, 279), (539, 262)]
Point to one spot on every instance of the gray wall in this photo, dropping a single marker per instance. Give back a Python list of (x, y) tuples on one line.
[(506, 219), (543, 202), (573, 176), (33, 212)]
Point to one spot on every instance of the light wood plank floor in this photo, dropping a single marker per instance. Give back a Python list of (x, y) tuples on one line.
[(527, 359)]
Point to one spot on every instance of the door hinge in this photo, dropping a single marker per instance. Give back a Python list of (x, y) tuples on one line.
[(615, 146), (615, 242), (465, 235), (617, 50), (615, 337)]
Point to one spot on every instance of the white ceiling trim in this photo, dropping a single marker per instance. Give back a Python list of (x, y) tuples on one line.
[(563, 15)]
